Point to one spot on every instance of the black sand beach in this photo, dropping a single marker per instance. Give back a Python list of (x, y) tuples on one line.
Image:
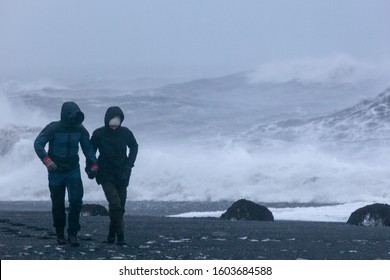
[(29, 235)]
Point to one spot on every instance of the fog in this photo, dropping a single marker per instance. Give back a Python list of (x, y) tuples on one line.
[(95, 39), (273, 101), (291, 139)]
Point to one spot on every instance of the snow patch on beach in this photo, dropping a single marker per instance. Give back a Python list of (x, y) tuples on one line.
[(213, 214)]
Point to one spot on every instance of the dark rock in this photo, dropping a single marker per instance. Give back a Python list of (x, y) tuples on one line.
[(371, 215), (247, 210), (93, 210)]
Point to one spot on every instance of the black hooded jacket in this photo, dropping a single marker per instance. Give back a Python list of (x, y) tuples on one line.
[(64, 137), (114, 162)]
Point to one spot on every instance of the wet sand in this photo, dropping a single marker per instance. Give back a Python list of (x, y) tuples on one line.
[(29, 235)]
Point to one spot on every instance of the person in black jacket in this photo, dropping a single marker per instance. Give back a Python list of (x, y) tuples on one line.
[(62, 162), (115, 165)]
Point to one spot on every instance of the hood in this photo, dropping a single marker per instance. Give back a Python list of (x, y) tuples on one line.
[(71, 114), (112, 112)]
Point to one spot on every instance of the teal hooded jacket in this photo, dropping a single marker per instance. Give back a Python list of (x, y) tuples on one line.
[(64, 137)]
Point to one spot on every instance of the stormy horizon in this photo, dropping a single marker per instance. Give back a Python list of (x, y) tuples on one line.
[(227, 100)]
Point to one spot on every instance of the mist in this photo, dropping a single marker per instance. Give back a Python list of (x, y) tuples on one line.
[(96, 39), (273, 101), (243, 135)]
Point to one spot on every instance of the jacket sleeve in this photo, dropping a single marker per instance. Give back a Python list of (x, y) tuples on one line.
[(94, 143), (40, 142), (133, 146), (86, 146)]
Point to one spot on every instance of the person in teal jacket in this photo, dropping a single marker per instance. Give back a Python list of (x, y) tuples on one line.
[(62, 162)]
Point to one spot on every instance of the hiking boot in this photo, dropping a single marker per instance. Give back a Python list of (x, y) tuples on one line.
[(111, 237), (72, 239), (121, 240), (60, 237)]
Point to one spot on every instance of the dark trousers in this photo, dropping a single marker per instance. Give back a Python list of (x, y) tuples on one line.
[(58, 183), (116, 197)]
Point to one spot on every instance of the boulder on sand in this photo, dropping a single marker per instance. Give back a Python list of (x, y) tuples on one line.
[(93, 210), (248, 211), (371, 215)]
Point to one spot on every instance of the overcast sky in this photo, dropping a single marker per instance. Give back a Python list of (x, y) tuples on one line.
[(84, 39)]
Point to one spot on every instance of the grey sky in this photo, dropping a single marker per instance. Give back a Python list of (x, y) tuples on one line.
[(78, 39)]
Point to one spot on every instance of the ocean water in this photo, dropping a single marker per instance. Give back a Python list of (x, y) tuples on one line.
[(316, 137)]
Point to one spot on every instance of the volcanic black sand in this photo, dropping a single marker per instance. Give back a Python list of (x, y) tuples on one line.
[(29, 235)]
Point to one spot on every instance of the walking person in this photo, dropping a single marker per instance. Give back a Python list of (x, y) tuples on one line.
[(62, 163), (115, 164)]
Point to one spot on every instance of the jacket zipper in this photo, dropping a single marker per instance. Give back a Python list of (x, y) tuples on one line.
[(68, 147)]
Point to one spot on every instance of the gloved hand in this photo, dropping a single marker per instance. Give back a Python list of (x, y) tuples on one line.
[(92, 171), (94, 168), (125, 175), (50, 165)]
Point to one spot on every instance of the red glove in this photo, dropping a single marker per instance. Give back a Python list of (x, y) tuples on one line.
[(94, 168), (50, 165)]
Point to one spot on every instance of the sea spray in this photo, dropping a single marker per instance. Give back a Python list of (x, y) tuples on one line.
[(194, 143)]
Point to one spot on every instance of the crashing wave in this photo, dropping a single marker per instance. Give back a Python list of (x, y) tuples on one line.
[(368, 120), (14, 133)]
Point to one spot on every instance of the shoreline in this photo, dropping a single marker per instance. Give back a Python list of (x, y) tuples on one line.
[(29, 235), (315, 212), (156, 208)]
